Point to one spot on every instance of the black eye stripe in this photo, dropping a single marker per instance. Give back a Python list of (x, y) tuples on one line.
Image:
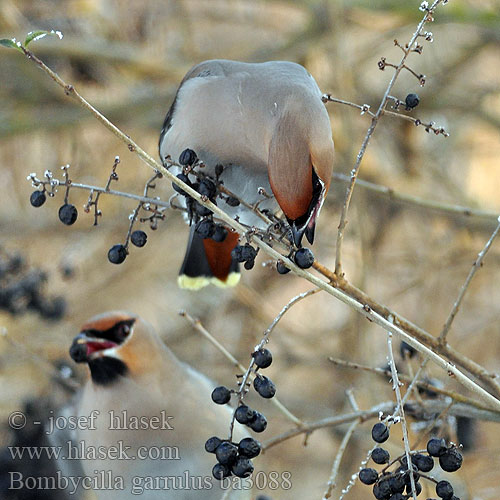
[(117, 333)]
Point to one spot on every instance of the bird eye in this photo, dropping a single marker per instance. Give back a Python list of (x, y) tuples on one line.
[(121, 332)]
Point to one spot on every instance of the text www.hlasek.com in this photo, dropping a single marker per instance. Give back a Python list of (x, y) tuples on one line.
[(80, 451)]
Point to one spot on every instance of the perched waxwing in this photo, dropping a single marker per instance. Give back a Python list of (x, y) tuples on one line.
[(145, 416), (266, 124)]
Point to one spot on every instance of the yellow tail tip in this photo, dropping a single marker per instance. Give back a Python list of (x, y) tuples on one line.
[(199, 282)]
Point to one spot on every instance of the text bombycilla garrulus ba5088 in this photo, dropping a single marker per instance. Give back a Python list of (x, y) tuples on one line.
[(146, 414), (266, 124)]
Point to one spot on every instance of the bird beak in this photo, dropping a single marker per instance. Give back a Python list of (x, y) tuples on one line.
[(85, 348)]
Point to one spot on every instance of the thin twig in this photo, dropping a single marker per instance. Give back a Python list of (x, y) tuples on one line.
[(408, 199), (412, 381), (400, 411), (365, 110), (198, 326), (310, 427), (332, 481), (475, 267), (366, 140)]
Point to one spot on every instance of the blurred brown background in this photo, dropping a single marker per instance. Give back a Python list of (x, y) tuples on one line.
[(127, 58)]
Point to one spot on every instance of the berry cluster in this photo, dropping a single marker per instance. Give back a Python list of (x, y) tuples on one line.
[(22, 289), (236, 458), (303, 257), (396, 484)]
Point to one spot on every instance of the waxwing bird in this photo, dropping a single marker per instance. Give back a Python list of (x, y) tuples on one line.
[(145, 415), (266, 124)]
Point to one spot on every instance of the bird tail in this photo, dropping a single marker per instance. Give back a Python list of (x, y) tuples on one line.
[(209, 262)]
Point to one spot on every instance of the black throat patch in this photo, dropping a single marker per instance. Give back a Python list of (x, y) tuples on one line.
[(107, 370)]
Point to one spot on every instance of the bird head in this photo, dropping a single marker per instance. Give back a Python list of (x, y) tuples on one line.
[(300, 166), (114, 345)]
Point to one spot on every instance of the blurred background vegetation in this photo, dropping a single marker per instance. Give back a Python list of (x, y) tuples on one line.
[(127, 58)]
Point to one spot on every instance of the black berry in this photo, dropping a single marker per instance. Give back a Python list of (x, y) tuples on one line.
[(244, 414), (380, 432), (139, 238), (212, 444), (264, 386), (418, 488), (249, 264), (201, 210), (221, 395), (397, 482), (68, 214), (263, 358), (226, 453), (304, 258), (368, 476), (249, 447), (207, 188), (436, 447), (187, 157), (37, 198), (244, 253), (220, 471), (423, 463), (382, 489), (380, 456), (411, 101), (259, 423), (205, 228), (444, 490), (451, 460), (220, 233), (281, 268), (232, 201), (117, 254), (184, 178), (243, 467)]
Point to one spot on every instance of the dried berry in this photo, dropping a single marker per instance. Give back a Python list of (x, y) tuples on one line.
[(139, 238), (187, 157), (304, 258), (232, 201), (380, 432), (259, 423), (221, 395), (368, 476), (207, 188), (205, 228), (226, 453), (451, 460), (184, 178), (212, 444), (117, 254), (263, 358), (244, 414), (444, 490), (68, 214), (281, 268), (243, 467), (264, 386), (380, 456), (220, 233), (411, 101), (436, 447), (220, 471), (249, 447), (37, 198)]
